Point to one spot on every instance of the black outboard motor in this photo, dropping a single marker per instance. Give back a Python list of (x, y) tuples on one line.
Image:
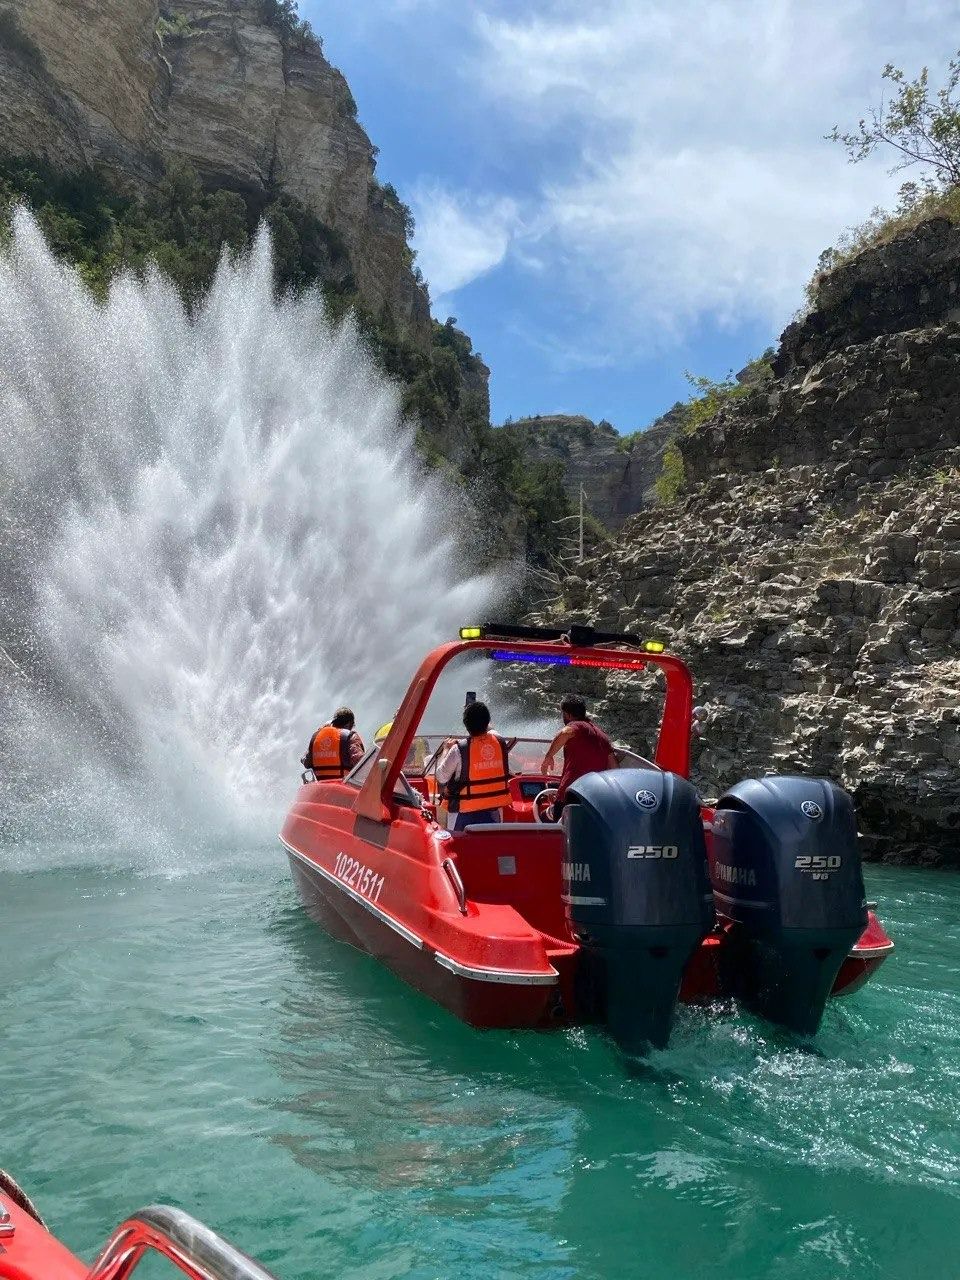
[(787, 870), (638, 896)]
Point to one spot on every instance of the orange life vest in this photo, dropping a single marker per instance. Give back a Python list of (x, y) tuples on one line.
[(330, 753), (484, 775)]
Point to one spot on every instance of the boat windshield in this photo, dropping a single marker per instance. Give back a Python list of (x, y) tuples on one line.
[(402, 790), (526, 757), (526, 754)]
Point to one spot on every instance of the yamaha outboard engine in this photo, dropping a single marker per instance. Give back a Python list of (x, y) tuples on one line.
[(638, 896), (786, 869)]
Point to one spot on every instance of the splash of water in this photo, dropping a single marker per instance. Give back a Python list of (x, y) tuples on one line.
[(215, 530)]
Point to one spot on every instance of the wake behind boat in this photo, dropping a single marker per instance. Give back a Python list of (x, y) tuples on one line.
[(640, 896)]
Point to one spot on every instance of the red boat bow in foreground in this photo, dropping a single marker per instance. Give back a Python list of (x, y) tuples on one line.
[(29, 1252), (641, 896)]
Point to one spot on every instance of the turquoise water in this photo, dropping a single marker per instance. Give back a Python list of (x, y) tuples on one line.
[(197, 1041)]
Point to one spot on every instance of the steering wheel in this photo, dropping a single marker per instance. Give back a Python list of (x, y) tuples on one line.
[(543, 805)]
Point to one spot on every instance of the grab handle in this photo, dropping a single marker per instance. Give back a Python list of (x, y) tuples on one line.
[(196, 1250), (450, 867)]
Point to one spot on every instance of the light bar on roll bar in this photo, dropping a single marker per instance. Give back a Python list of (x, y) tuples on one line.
[(577, 635), (615, 662)]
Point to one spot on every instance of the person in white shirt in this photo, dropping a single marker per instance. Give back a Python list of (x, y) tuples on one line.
[(473, 773)]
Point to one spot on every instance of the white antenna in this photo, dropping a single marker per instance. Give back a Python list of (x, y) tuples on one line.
[(580, 557), (16, 666), (581, 517)]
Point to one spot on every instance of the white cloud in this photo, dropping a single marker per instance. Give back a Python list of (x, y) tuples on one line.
[(668, 238), (690, 176), (458, 237)]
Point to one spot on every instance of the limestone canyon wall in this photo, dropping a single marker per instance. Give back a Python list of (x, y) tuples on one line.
[(106, 82), (811, 573)]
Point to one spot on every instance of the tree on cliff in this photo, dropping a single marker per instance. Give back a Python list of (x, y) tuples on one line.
[(921, 127)]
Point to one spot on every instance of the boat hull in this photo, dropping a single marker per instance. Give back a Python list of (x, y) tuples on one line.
[(490, 1001), (485, 1003)]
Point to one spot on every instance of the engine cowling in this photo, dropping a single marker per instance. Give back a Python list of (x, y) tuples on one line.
[(637, 895), (786, 870)]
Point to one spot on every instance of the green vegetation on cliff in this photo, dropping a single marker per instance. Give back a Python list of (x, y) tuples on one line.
[(282, 15), (708, 398), (920, 126)]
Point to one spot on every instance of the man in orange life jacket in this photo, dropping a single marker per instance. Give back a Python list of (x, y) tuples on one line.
[(335, 748), (473, 774), (586, 749)]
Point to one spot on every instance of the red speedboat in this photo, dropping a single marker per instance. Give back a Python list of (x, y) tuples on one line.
[(641, 895), (28, 1251)]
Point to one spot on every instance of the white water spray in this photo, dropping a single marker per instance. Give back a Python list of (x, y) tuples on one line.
[(215, 529)]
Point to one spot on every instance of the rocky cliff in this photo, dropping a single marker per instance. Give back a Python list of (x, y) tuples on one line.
[(617, 472), (130, 85), (811, 572)]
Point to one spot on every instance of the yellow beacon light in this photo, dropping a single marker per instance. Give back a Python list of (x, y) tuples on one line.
[(652, 646), (471, 633)]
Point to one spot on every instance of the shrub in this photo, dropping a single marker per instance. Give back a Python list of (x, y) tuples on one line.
[(708, 398), (285, 19), (668, 486), (389, 193), (920, 126), (914, 206), (347, 104), (177, 27)]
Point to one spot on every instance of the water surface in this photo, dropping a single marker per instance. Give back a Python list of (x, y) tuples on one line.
[(197, 1041)]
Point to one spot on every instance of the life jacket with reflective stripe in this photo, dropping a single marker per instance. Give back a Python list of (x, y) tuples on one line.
[(484, 775), (330, 752)]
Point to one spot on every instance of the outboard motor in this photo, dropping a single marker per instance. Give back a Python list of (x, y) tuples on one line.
[(786, 870), (638, 896)]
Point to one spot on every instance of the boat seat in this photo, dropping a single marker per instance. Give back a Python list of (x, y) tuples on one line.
[(523, 872)]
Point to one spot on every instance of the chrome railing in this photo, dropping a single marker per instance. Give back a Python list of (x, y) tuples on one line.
[(198, 1252), (453, 875)]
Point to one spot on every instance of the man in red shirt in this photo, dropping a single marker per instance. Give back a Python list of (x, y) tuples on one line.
[(586, 748)]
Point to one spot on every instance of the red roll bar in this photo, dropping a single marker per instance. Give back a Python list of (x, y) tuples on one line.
[(673, 743)]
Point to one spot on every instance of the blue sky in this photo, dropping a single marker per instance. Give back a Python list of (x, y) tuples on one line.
[(610, 192)]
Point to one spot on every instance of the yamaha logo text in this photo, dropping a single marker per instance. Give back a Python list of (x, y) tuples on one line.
[(577, 871), (735, 875)]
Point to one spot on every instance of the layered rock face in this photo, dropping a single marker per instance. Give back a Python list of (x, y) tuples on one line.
[(104, 82), (811, 577), (617, 474), (77, 80)]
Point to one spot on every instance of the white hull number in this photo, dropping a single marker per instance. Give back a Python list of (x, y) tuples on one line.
[(358, 877)]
